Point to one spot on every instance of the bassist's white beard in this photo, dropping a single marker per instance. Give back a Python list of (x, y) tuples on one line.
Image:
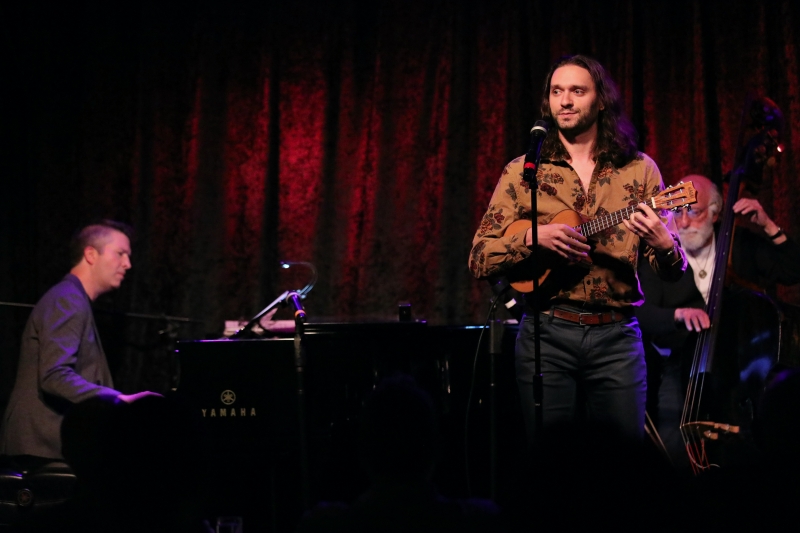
[(694, 240)]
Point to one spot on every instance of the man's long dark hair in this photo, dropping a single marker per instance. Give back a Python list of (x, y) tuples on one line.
[(616, 136)]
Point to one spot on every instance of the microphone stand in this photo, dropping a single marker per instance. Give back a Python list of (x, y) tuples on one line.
[(299, 364), (532, 159), (496, 329), (500, 289), (292, 298)]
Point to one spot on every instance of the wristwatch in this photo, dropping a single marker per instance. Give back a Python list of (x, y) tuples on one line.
[(776, 235), (669, 253)]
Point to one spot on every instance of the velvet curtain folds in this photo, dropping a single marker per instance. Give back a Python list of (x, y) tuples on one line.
[(364, 137)]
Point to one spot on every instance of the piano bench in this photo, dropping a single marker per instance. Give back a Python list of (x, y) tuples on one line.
[(34, 495)]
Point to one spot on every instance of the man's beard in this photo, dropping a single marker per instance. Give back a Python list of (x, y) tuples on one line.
[(693, 239), (584, 122)]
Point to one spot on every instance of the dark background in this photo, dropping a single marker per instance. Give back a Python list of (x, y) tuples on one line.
[(363, 136)]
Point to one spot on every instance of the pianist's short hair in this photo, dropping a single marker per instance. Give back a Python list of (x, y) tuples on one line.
[(95, 235)]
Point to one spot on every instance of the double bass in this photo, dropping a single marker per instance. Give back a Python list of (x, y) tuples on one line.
[(734, 358)]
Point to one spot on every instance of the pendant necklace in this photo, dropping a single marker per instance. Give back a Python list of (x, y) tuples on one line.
[(703, 272)]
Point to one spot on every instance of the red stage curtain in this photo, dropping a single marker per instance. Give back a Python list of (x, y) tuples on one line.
[(365, 137)]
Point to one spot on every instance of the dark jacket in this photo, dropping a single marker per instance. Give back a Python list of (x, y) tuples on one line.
[(755, 259), (61, 363)]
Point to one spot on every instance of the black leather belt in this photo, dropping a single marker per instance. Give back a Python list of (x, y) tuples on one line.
[(588, 319)]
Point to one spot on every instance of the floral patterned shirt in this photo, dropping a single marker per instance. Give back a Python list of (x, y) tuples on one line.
[(611, 280)]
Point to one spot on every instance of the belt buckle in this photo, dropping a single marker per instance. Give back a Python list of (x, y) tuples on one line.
[(602, 319), (580, 319)]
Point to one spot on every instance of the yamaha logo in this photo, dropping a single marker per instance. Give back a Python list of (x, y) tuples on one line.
[(228, 397)]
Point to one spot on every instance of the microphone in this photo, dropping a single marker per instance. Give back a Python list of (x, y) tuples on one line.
[(538, 134), (293, 298), (539, 128)]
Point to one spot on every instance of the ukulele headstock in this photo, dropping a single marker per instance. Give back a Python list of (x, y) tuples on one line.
[(681, 195)]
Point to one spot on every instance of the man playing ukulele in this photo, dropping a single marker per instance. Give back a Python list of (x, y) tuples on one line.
[(591, 345)]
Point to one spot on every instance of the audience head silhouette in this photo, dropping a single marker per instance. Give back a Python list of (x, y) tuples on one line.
[(399, 432)]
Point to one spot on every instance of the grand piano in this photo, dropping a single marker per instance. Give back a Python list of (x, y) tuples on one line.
[(256, 412)]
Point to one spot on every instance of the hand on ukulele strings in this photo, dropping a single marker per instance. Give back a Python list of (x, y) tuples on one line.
[(647, 225), (694, 319), (562, 239), (750, 208)]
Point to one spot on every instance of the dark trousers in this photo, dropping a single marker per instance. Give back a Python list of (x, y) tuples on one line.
[(592, 372)]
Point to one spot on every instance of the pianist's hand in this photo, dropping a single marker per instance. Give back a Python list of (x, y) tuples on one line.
[(130, 398)]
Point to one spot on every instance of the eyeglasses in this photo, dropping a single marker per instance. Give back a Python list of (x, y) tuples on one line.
[(691, 213)]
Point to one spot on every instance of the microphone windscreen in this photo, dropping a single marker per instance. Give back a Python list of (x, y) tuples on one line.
[(540, 127)]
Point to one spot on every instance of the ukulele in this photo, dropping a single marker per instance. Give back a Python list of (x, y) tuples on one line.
[(674, 197)]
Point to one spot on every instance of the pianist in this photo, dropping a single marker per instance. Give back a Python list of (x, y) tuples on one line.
[(61, 359)]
